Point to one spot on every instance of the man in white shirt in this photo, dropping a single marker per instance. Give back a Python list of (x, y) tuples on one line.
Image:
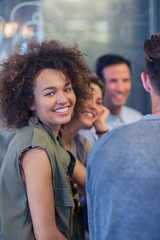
[(115, 73)]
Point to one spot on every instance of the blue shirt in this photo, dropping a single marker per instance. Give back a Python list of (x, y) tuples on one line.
[(123, 183)]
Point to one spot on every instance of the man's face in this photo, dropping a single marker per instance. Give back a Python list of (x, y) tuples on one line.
[(117, 85)]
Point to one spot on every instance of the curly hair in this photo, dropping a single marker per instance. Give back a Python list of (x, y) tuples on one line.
[(19, 72), (96, 80)]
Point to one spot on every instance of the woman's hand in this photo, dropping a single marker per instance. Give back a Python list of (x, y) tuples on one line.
[(100, 124)]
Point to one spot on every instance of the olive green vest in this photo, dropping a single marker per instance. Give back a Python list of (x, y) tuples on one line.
[(15, 219)]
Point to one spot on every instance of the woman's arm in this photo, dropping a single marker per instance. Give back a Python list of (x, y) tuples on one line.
[(38, 179), (79, 174)]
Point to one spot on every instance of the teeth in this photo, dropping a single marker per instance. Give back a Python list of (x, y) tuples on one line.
[(62, 110), (90, 114), (119, 95)]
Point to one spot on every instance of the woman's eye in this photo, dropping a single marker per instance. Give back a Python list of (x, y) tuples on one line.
[(49, 94), (67, 89), (99, 103)]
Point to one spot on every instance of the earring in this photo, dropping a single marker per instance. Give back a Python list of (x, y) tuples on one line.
[(33, 121)]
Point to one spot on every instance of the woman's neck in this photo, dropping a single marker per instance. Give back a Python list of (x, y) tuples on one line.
[(69, 131), (55, 130)]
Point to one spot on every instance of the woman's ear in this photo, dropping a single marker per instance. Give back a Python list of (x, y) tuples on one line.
[(32, 108), (146, 82)]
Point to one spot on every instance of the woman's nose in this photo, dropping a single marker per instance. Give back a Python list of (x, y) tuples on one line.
[(91, 104), (61, 98)]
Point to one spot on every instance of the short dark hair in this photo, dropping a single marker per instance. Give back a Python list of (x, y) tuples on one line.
[(152, 60), (107, 60)]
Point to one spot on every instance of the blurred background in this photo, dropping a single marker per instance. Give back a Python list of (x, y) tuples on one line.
[(98, 27)]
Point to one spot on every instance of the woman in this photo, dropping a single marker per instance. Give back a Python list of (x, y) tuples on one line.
[(93, 113), (38, 93)]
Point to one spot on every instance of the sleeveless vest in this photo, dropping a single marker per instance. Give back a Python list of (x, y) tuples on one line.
[(15, 217)]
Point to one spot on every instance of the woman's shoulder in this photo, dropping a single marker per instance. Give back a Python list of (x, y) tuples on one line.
[(80, 139), (28, 135)]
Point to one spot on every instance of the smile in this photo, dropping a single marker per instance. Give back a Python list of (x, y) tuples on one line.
[(119, 96), (62, 110), (90, 114)]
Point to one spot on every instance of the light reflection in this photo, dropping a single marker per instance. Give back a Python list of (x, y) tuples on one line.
[(27, 32), (8, 29)]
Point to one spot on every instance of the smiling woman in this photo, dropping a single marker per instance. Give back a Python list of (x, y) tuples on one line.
[(92, 113), (38, 92), (54, 99)]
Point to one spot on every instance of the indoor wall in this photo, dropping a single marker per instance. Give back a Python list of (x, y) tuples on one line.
[(98, 27)]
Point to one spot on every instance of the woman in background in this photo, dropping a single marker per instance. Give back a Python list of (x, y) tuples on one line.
[(93, 113)]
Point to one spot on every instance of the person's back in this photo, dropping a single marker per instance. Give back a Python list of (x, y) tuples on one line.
[(123, 184), (124, 195)]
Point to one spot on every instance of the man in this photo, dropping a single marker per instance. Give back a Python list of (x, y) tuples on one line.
[(123, 171), (115, 72)]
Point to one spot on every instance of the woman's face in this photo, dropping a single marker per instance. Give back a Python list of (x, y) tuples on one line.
[(54, 98), (93, 108)]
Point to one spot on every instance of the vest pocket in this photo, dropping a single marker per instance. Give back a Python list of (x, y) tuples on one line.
[(63, 210)]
